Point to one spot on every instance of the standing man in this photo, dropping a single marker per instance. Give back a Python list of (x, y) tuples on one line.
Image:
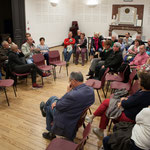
[(68, 47), (63, 114)]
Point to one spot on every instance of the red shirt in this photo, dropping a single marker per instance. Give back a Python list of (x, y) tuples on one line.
[(67, 42)]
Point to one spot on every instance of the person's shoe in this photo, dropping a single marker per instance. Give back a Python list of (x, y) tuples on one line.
[(46, 74), (90, 77), (36, 86), (67, 64), (89, 119), (49, 135), (98, 133), (42, 104)]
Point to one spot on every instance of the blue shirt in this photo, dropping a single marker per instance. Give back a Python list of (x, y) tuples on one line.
[(43, 48)]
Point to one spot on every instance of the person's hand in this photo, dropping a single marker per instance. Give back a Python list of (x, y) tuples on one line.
[(94, 49), (103, 67), (32, 49), (37, 49), (53, 105), (79, 48), (69, 88), (78, 44), (119, 104), (19, 51), (123, 98)]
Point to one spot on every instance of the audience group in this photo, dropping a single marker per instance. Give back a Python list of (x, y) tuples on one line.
[(63, 113)]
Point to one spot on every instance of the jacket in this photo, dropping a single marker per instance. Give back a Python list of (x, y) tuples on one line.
[(69, 108), (68, 41)]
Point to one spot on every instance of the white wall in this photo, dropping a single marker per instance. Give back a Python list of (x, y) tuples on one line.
[(98, 19), (53, 23)]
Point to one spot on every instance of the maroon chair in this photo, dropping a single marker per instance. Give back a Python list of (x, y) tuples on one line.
[(15, 75), (120, 85), (97, 85), (111, 77), (54, 59), (7, 83), (39, 60), (63, 144)]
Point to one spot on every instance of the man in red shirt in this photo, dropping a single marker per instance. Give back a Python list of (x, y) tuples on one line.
[(68, 47)]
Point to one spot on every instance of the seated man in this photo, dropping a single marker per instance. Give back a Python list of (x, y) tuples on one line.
[(28, 49), (104, 54), (140, 59), (68, 47), (139, 38), (113, 40), (4, 57), (127, 40), (148, 47), (17, 65), (113, 62), (62, 114)]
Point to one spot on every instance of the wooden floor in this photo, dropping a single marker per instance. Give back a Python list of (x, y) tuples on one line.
[(21, 124)]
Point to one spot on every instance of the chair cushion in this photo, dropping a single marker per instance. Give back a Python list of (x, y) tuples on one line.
[(58, 63), (96, 84), (6, 83), (45, 67), (61, 144)]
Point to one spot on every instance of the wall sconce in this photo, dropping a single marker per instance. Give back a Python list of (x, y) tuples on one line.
[(54, 3), (92, 3)]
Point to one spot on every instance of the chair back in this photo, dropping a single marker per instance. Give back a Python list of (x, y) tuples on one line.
[(86, 132), (131, 77), (82, 118), (103, 77), (38, 59), (135, 87), (54, 56)]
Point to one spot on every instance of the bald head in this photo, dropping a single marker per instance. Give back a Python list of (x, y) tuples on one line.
[(14, 48), (5, 44)]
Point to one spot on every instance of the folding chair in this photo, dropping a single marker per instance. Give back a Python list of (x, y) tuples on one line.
[(7, 83)]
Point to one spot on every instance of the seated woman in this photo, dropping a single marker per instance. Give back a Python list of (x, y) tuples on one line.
[(140, 137), (131, 105), (44, 49), (9, 40), (96, 45), (132, 51), (81, 48)]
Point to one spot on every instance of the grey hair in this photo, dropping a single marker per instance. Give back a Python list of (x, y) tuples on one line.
[(78, 76), (4, 42), (117, 44)]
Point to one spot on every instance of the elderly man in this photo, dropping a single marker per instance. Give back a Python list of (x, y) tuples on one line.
[(28, 49), (138, 36), (17, 65), (68, 47), (62, 114), (127, 40), (113, 62), (140, 59)]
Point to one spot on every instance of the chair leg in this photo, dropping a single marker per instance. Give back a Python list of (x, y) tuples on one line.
[(90, 111), (107, 87), (14, 91), (104, 92), (6, 96), (67, 70), (110, 125), (54, 73), (60, 69), (99, 97), (84, 125)]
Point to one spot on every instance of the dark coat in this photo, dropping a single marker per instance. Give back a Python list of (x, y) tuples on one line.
[(3, 55), (114, 60), (105, 54), (15, 59), (69, 108)]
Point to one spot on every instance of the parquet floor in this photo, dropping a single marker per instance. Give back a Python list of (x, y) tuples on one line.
[(21, 124)]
